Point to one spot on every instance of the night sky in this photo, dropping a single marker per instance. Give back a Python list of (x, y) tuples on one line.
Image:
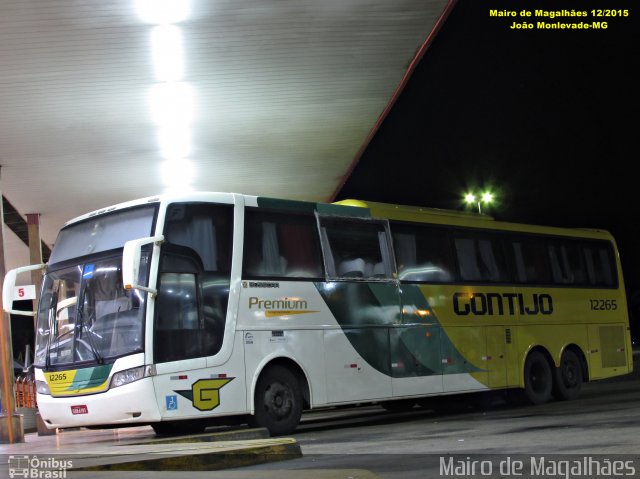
[(547, 119)]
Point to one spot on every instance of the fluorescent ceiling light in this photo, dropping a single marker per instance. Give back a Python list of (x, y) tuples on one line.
[(163, 11), (172, 104), (174, 141), (166, 47), (177, 173)]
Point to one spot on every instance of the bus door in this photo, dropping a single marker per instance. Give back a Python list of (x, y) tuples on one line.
[(363, 296), (190, 313)]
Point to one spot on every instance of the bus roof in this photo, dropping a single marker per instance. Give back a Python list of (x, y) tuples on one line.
[(360, 208), (461, 218)]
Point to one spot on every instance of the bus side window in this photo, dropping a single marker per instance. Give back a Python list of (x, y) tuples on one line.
[(423, 253), (566, 262), (531, 261), (600, 266), (356, 248), (480, 258), (280, 244)]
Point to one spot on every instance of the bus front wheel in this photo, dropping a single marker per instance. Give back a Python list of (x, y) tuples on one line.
[(278, 401), (538, 379), (568, 377)]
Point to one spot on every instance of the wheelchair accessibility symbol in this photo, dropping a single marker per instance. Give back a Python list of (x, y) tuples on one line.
[(172, 402)]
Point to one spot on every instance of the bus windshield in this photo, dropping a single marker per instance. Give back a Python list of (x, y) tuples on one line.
[(102, 233), (86, 315)]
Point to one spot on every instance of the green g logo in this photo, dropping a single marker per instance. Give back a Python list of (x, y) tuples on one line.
[(205, 393)]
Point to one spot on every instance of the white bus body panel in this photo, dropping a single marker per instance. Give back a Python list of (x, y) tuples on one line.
[(188, 389), (270, 330), (349, 377), (303, 347)]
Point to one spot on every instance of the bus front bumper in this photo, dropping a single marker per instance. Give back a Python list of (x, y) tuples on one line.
[(129, 404)]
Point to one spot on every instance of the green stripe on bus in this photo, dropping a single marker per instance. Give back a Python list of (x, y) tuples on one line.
[(86, 378), (339, 210), (292, 205), (309, 207), (456, 361), (394, 342)]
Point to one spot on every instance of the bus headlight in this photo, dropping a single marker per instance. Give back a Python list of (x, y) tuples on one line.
[(43, 388), (131, 375)]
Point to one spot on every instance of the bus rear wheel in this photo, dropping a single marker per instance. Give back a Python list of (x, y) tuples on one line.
[(568, 377), (538, 379), (278, 401)]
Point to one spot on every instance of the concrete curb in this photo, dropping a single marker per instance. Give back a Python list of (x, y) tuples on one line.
[(241, 434), (192, 456)]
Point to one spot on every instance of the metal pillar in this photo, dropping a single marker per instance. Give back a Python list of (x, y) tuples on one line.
[(35, 257), (35, 254), (11, 425)]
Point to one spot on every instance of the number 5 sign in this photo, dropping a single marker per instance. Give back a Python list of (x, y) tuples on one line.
[(24, 292)]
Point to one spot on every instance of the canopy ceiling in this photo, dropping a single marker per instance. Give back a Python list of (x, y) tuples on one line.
[(103, 102)]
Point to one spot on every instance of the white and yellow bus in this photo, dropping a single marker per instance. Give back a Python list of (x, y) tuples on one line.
[(177, 311)]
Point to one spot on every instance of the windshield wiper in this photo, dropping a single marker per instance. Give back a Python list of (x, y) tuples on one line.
[(52, 308), (83, 326)]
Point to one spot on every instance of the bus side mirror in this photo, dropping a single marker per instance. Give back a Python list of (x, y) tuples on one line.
[(9, 286), (131, 262)]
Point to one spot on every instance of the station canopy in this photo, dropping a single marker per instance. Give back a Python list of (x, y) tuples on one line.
[(104, 102)]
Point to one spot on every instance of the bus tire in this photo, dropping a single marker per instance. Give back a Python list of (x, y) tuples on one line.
[(278, 401), (538, 379), (568, 377)]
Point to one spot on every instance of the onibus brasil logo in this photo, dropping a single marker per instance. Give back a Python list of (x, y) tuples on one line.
[(34, 467)]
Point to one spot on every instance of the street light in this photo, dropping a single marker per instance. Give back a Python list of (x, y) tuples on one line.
[(472, 199)]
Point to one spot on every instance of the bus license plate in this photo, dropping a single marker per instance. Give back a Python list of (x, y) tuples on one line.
[(79, 409)]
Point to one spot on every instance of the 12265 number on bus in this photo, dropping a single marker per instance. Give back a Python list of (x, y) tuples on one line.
[(603, 304)]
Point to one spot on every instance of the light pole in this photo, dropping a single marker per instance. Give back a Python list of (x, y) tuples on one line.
[(472, 199)]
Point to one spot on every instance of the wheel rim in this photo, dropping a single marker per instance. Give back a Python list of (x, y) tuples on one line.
[(278, 401), (538, 378), (569, 374)]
